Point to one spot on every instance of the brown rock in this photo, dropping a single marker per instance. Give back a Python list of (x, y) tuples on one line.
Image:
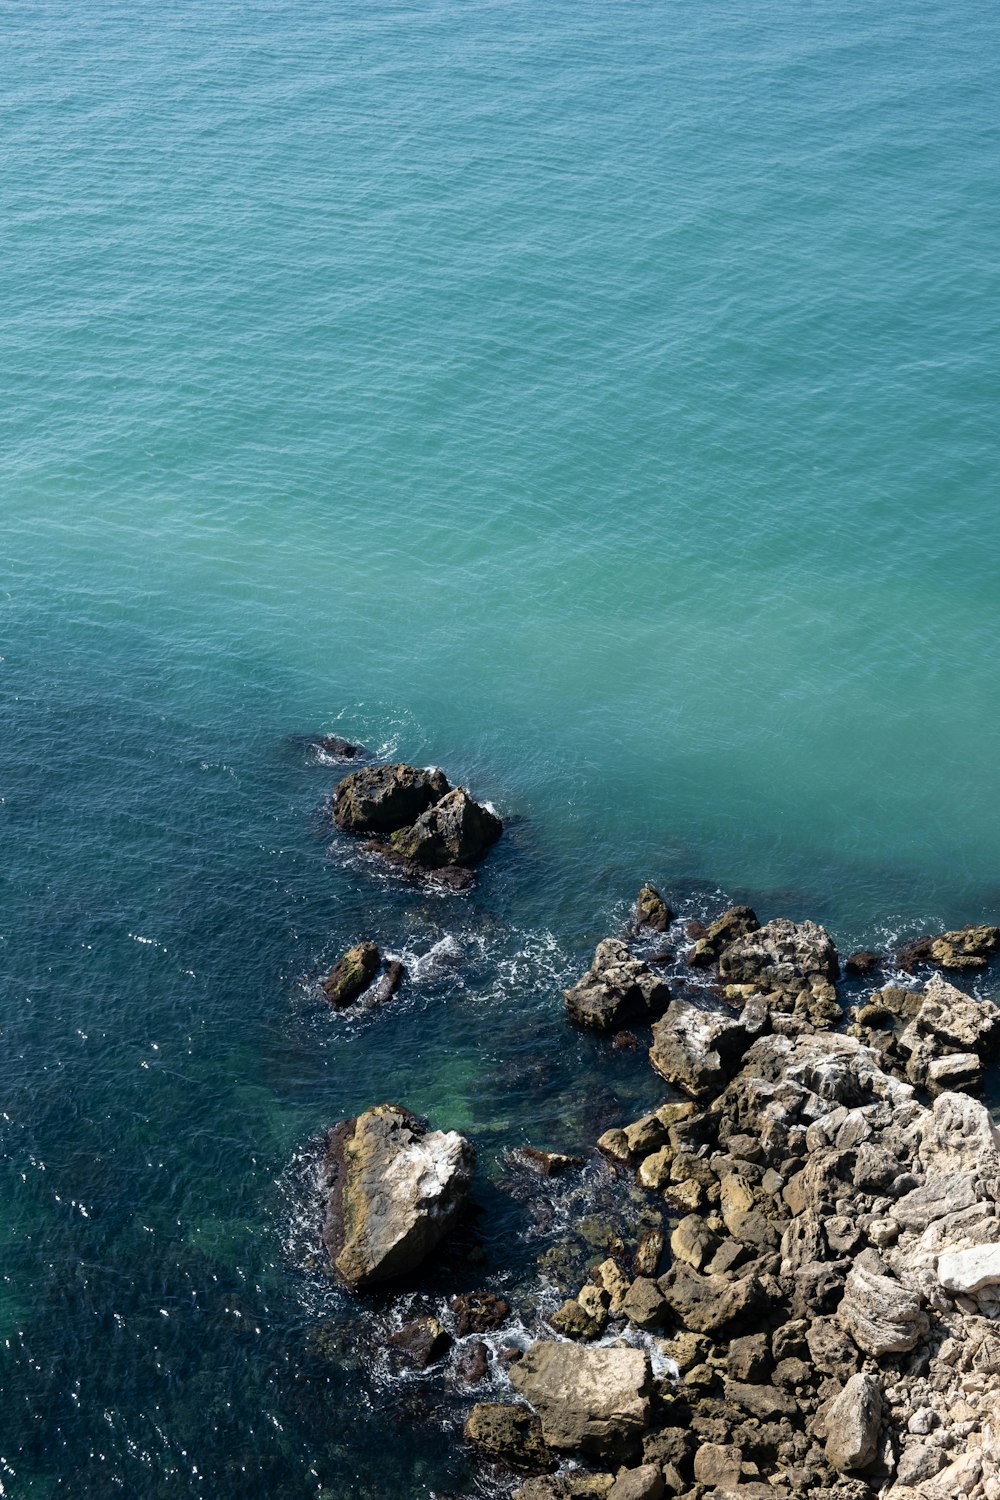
[(478, 1312), (652, 911), (381, 799), (510, 1435), (596, 1401), (351, 975)]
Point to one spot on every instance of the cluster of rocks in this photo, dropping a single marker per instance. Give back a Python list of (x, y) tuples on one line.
[(417, 820), (828, 1319), (818, 1312), (423, 826)]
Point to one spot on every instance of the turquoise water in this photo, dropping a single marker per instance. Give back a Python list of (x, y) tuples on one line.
[(598, 400)]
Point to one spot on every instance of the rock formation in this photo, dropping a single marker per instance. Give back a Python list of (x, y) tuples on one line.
[(393, 1190)]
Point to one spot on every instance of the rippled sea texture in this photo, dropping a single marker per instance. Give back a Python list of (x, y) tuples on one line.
[(596, 399)]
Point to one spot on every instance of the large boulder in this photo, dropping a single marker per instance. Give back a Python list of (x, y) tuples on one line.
[(712, 1304), (456, 831), (393, 1191), (592, 1400), (351, 975), (380, 799), (617, 988), (699, 1049), (780, 954)]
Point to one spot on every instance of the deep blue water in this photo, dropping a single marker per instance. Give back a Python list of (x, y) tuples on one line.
[(597, 400)]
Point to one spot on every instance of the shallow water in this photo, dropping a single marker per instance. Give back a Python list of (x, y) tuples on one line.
[(597, 401)]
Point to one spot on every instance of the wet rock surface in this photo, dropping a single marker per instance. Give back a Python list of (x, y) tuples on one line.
[(617, 989), (417, 820), (393, 1190), (351, 975)]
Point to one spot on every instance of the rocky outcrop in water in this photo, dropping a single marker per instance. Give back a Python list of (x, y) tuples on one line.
[(351, 975), (393, 1190), (651, 911), (419, 821), (617, 989), (595, 1401)]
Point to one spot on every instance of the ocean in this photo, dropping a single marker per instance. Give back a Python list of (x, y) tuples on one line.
[(597, 400)]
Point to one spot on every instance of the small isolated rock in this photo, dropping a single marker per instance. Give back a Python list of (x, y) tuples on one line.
[(390, 981), (473, 1363), (547, 1163), (393, 1190), (966, 1271), (332, 744), (593, 1400), (510, 1435), (852, 1423), (652, 911), (351, 975), (862, 962), (616, 989)]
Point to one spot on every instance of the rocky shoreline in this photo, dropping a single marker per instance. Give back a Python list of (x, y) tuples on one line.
[(812, 1306)]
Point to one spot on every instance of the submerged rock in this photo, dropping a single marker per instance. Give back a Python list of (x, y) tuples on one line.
[(351, 975), (593, 1400), (652, 911), (394, 1189), (422, 1341), (332, 744), (382, 799), (478, 1312), (616, 989), (390, 981)]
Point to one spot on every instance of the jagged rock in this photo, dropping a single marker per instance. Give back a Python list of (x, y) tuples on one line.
[(968, 948), (959, 1136), (763, 1401), (617, 988), (711, 1304), (880, 1314), (852, 1423), (393, 1191), (648, 1252), (939, 1194), (698, 1049), (914, 952), (969, 1270), (652, 911), (735, 922), (509, 1434), (422, 1342), (596, 1401), (645, 1483), (478, 1312), (950, 1021), (351, 975), (381, 799), (779, 954), (456, 830), (959, 1070)]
